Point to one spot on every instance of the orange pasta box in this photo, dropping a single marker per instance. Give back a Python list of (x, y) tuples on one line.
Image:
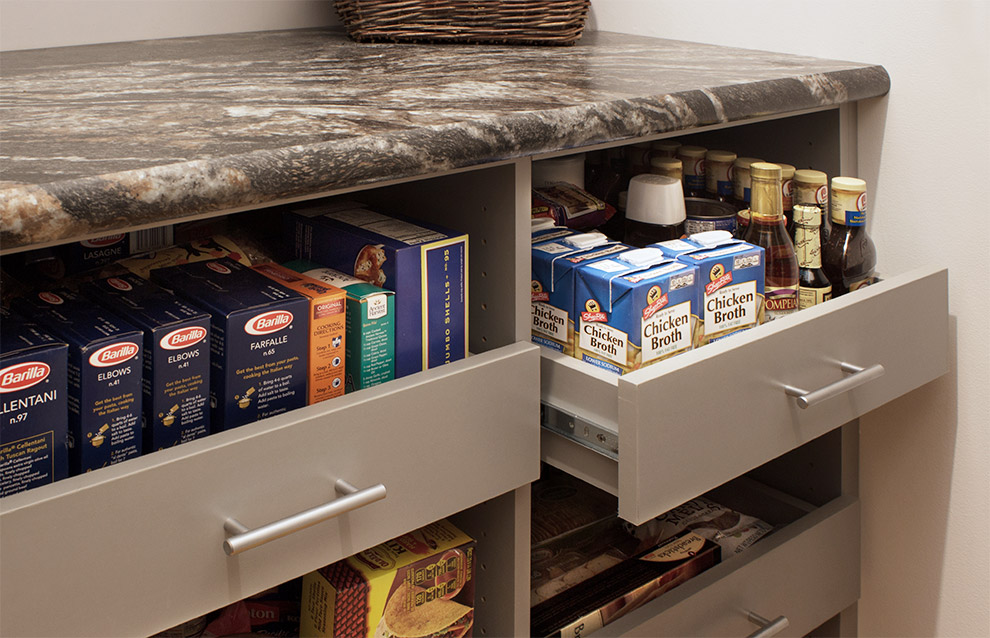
[(327, 326)]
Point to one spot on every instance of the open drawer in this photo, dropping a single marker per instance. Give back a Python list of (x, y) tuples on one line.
[(664, 434), (806, 572), (146, 538)]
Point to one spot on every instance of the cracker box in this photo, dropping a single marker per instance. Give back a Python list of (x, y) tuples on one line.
[(552, 287), (731, 274), (635, 309), (419, 584), (176, 357), (370, 344), (104, 380), (327, 326), (34, 419), (424, 264), (258, 339), (616, 591)]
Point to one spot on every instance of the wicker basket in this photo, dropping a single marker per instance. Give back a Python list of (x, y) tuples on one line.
[(557, 22)]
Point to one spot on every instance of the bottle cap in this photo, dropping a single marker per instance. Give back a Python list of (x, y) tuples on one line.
[(720, 156), (693, 152), (642, 256), (810, 176), (786, 171), (669, 163), (586, 240), (807, 215), (745, 162), (568, 169), (712, 238), (764, 170), (853, 184), (655, 199), (541, 223), (666, 146)]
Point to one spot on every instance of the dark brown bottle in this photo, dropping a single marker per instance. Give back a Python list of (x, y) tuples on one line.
[(654, 210), (766, 229), (849, 257), (813, 286)]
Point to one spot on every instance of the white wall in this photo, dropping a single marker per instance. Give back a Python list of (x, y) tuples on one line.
[(925, 151)]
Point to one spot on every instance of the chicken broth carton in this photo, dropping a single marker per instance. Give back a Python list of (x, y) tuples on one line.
[(425, 265), (258, 341), (327, 325), (104, 376), (731, 274), (635, 309), (176, 357), (34, 419), (552, 287)]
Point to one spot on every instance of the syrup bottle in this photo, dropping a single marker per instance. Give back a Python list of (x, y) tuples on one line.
[(766, 229), (849, 257), (813, 286)]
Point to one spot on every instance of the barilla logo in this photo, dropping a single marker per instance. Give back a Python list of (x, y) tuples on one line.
[(720, 281), (218, 267), (113, 354), (99, 242), (183, 338), (51, 297), (23, 375), (120, 284), (268, 322)]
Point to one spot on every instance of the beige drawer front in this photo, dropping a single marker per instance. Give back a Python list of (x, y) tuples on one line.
[(691, 423), (136, 548), (807, 572)]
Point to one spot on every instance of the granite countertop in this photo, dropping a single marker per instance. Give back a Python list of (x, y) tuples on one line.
[(95, 138)]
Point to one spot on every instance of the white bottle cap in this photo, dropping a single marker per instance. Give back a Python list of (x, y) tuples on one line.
[(568, 169), (541, 223), (853, 184), (810, 176), (693, 152), (586, 240), (642, 256), (786, 171), (655, 199), (712, 238)]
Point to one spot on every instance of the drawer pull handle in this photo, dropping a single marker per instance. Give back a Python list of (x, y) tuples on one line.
[(767, 627), (244, 539), (857, 377)]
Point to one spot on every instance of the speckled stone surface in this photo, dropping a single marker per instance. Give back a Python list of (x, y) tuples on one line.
[(104, 136)]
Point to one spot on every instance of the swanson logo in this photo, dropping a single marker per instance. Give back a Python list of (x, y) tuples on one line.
[(183, 338), (113, 354), (23, 375), (268, 322)]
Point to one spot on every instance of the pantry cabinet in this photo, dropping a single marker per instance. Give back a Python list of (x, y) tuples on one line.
[(208, 127)]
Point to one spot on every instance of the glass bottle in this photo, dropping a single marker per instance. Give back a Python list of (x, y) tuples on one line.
[(811, 187), (669, 166), (693, 160), (813, 286), (741, 191), (849, 257), (664, 148), (718, 175), (654, 210), (766, 229)]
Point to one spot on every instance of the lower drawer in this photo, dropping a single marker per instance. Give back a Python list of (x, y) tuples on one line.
[(138, 547), (806, 572)]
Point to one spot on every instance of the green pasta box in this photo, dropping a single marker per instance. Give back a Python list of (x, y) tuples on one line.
[(369, 346)]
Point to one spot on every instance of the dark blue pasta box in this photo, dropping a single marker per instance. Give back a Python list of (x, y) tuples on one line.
[(425, 265), (258, 342), (635, 309), (176, 357), (34, 424), (552, 286), (105, 371)]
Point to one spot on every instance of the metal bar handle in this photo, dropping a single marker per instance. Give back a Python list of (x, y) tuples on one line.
[(244, 539), (767, 627), (857, 377)]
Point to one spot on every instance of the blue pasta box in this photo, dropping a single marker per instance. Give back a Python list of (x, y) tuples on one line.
[(425, 265), (732, 278), (104, 381), (635, 309), (176, 357), (34, 420), (552, 286), (259, 338)]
